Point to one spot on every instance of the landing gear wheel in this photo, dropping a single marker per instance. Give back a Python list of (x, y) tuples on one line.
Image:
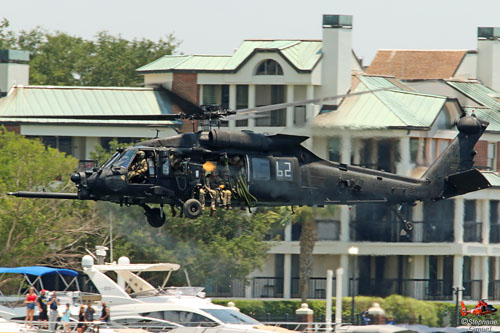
[(192, 208), (155, 216), (408, 225)]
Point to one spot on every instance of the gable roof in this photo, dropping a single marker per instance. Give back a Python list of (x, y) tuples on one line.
[(303, 55), (396, 108), (478, 92), (417, 64), (59, 100)]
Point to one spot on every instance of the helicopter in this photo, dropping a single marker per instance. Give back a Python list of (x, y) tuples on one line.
[(482, 308), (259, 170)]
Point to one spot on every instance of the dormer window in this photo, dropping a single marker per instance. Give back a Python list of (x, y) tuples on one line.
[(269, 67)]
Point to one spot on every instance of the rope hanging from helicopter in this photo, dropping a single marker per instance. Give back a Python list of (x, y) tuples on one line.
[(240, 187)]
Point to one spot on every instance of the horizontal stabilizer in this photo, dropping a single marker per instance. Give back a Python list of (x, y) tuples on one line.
[(464, 182)]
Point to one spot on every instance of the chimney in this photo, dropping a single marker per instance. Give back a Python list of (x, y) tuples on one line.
[(336, 64), (14, 69), (488, 56)]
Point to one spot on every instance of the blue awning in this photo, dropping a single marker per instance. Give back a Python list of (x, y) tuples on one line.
[(38, 270)]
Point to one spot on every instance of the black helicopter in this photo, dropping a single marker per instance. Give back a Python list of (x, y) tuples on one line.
[(259, 170)]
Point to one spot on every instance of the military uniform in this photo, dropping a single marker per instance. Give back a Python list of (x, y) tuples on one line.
[(205, 189), (138, 171), (225, 196)]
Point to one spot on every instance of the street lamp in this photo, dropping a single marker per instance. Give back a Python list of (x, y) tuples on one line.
[(353, 252), (456, 291)]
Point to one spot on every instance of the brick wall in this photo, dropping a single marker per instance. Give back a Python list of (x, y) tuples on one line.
[(13, 128), (498, 156), (481, 158), (185, 85)]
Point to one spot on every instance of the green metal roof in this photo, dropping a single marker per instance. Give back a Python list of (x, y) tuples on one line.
[(395, 108), (489, 115), (302, 54), (55, 100), (492, 177), (478, 92)]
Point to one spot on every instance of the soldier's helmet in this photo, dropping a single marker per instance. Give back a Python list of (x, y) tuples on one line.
[(141, 154)]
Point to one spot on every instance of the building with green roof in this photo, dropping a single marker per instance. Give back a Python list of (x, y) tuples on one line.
[(401, 129), (263, 72), (79, 137)]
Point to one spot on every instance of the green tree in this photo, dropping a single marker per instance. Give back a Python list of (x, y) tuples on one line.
[(58, 58), (213, 250), (41, 231), (307, 218)]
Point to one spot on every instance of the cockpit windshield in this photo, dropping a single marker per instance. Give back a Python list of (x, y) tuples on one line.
[(111, 160), (125, 159)]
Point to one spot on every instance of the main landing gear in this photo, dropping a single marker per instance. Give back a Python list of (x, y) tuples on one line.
[(192, 208)]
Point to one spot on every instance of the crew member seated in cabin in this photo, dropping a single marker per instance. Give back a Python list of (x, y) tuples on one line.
[(175, 163), (236, 163), (138, 172)]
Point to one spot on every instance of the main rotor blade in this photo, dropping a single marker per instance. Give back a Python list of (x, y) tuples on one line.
[(273, 107), (158, 117)]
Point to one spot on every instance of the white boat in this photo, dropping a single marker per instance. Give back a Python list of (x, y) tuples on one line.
[(172, 306), (185, 306)]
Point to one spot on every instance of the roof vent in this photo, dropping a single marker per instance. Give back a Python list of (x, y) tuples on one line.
[(337, 21), (488, 33)]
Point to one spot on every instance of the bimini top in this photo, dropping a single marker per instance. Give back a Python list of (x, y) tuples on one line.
[(38, 270)]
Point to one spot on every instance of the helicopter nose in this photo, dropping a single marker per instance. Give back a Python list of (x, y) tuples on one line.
[(76, 177)]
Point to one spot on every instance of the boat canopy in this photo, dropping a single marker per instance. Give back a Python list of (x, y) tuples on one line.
[(38, 271)]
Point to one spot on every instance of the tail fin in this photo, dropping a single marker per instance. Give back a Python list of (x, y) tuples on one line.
[(452, 174), (463, 310)]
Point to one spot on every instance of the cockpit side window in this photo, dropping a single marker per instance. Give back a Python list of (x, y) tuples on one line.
[(125, 159), (261, 169)]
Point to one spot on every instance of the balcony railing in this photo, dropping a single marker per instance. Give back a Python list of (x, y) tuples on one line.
[(426, 232), (473, 231), (494, 233), (494, 290), (424, 289), (267, 287), (472, 289), (376, 231), (432, 231), (315, 289)]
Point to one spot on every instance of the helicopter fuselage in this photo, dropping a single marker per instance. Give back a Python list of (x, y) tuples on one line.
[(265, 170)]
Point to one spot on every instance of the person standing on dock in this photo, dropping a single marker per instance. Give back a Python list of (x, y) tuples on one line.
[(30, 307), (42, 307), (105, 313), (53, 304), (65, 318)]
